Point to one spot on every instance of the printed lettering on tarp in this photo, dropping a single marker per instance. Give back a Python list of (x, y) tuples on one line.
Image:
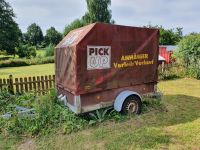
[(98, 57), (133, 60)]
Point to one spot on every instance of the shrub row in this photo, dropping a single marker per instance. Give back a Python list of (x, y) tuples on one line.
[(26, 62)]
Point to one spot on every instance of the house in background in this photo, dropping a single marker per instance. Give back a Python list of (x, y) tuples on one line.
[(161, 60), (165, 52)]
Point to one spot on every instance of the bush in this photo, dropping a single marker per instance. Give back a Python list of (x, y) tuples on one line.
[(26, 62), (49, 51), (171, 71), (3, 52), (5, 100), (26, 51), (8, 101), (45, 60), (188, 54), (14, 63), (48, 115)]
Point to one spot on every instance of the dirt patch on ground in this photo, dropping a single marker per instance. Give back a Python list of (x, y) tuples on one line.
[(94, 145), (86, 132), (29, 144)]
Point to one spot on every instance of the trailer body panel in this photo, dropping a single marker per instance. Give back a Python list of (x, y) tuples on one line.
[(99, 61)]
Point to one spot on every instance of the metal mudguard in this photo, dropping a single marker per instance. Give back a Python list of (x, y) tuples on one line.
[(122, 97)]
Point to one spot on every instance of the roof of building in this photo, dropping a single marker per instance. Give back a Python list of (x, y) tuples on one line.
[(160, 58), (169, 47)]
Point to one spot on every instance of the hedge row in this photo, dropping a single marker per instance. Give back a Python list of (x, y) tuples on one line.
[(26, 62)]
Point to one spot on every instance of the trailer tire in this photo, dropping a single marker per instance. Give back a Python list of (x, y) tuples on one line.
[(132, 105)]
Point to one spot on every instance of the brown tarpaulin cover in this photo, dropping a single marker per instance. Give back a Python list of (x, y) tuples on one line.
[(133, 58)]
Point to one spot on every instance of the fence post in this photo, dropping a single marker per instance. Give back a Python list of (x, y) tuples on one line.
[(19, 85), (163, 66), (1, 85), (10, 85)]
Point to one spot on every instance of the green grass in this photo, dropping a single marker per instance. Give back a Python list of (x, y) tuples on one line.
[(35, 70), (8, 142), (174, 124), (175, 127)]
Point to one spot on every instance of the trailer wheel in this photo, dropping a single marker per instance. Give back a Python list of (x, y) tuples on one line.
[(132, 105)]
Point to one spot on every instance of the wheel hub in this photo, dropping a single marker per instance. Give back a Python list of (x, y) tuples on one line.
[(132, 107)]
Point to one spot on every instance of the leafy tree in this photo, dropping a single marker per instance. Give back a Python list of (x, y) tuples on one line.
[(168, 36), (86, 19), (193, 33), (52, 36), (188, 53), (98, 11), (74, 25), (26, 51), (34, 35), (25, 39), (178, 35), (10, 33)]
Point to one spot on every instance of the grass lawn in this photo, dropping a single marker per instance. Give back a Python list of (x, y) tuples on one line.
[(175, 124), (35, 70)]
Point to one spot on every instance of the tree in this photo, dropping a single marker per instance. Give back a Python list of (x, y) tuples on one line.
[(24, 39), (188, 54), (10, 33), (98, 11), (34, 35), (178, 35), (52, 36), (26, 51), (74, 25), (168, 36)]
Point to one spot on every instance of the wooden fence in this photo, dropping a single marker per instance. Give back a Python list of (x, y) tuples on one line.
[(40, 84)]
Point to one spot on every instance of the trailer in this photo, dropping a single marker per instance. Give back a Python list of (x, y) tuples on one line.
[(102, 65)]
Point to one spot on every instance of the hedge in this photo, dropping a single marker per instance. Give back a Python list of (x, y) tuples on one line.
[(26, 62)]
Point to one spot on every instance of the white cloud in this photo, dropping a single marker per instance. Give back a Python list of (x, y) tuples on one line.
[(47, 13), (58, 13), (169, 13)]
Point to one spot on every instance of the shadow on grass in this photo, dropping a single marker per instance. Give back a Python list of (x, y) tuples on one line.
[(143, 138), (157, 114), (170, 110), (170, 77), (173, 109)]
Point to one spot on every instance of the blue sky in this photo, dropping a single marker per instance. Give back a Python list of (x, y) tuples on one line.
[(58, 13)]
